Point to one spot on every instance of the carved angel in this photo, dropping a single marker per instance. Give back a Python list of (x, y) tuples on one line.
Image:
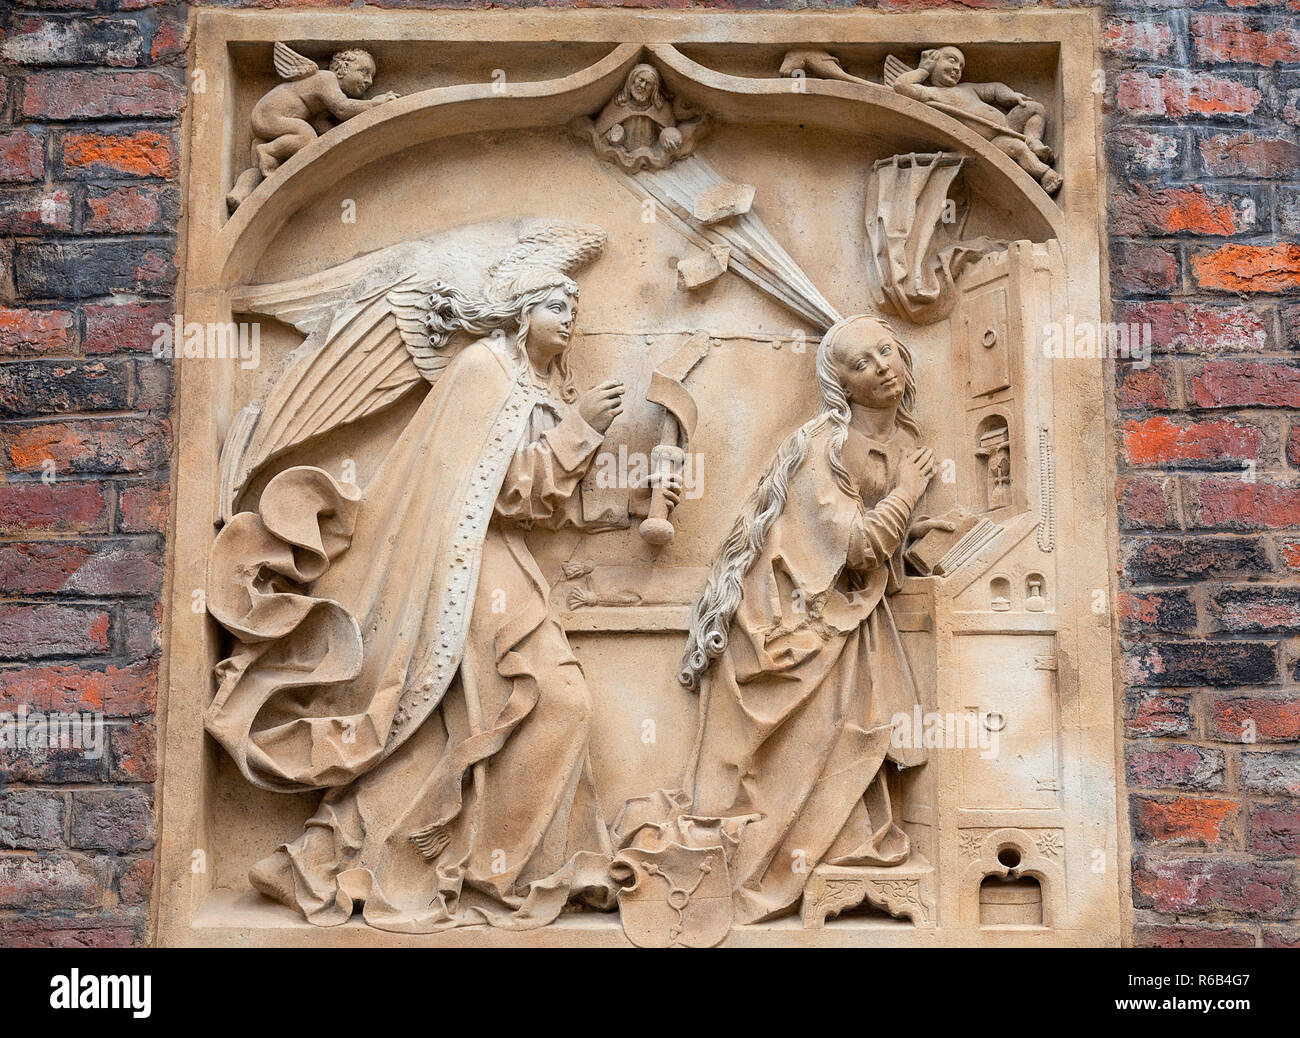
[(285, 120), (1013, 122), (394, 642)]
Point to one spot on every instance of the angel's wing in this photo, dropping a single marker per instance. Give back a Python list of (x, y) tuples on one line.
[(290, 64), (894, 67), (367, 345)]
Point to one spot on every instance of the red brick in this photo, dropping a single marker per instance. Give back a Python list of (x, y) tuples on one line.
[(1162, 441), (1270, 720), (133, 752), (101, 95), (1146, 503), (35, 331), (54, 881), (22, 155), (1289, 552), (115, 691), (1247, 383), (1233, 504), (36, 631), (1147, 211), (1174, 766), (1143, 269), (1275, 832), (1144, 387), (35, 211), (1281, 936), (1171, 610), (60, 507), (1187, 936), (67, 931), (1185, 327), (135, 882), (1249, 268), (143, 509), (1250, 154), (1183, 820), (1154, 712), (145, 153), (1213, 885), (130, 210), (1178, 93), (109, 445), (168, 37), (125, 327), (1236, 40), (1137, 39), (107, 570)]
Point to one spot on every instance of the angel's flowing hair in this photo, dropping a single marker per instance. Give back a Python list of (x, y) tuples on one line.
[(716, 607), (451, 311)]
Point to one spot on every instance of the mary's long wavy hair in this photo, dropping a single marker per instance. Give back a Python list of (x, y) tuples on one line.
[(714, 609), (451, 311)]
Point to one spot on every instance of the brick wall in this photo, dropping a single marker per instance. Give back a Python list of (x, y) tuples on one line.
[(1203, 106)]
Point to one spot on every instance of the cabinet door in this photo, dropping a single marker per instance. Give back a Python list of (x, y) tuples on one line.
[(987, 340)]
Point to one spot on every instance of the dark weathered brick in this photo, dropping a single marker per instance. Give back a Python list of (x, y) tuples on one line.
[(1154, 559), (112, 820), (31, 819), (1196, 662), (30, 389)]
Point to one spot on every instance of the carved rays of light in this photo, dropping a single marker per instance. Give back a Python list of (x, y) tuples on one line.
[(755, 254)]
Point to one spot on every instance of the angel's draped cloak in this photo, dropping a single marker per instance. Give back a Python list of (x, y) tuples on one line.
[(397, 647), (795, 716)]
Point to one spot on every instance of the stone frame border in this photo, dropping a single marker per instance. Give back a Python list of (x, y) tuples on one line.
[(187, 758)]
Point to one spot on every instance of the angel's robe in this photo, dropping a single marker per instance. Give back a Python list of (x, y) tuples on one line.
[(795, 716), (467, 712)]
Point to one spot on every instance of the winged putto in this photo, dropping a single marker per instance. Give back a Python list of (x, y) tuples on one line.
[(288, 118)]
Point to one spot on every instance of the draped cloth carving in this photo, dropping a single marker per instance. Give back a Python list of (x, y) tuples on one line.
[(915, 249)]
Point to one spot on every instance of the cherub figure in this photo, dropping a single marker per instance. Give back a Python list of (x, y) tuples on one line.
[(642, 126), (283, 121), (1012, 121)]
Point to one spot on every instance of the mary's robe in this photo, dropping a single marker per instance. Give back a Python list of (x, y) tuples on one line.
[(795, 717), (422, 678)]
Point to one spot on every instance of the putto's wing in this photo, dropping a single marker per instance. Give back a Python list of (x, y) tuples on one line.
[(894, 67), (290, 64)]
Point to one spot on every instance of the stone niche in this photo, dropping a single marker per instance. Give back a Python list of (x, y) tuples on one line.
[(448, 667)]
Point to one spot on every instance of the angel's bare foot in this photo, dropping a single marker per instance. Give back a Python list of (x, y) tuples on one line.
[(1042, 152), (1052, 181)]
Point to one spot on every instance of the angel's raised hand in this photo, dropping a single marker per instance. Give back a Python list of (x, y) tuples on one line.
[(600, 405)]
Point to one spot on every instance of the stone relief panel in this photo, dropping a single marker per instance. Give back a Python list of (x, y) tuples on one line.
[(639, 524)]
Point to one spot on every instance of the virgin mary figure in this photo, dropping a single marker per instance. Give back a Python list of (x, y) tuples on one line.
[(395, 647), (792, 642)]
